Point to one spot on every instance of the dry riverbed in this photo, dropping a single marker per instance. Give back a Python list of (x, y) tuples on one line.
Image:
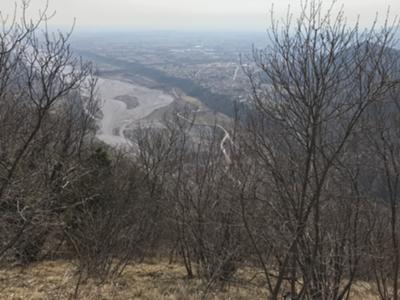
[(125, 104)]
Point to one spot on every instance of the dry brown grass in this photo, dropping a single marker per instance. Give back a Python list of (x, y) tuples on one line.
[(160, 281), (56, 280)]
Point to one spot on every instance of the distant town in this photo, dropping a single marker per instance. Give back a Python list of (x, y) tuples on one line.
[(211, 61)]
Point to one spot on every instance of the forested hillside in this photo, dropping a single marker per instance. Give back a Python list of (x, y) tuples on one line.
[(297, 199)]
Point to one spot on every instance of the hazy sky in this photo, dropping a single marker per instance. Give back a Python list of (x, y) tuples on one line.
[(187, 14)]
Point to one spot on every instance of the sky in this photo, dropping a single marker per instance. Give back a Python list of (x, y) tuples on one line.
[(186, 14)]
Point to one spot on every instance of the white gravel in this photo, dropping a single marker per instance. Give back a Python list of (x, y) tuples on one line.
[(116, 116)]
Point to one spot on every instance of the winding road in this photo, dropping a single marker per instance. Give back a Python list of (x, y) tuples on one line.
[(227, 136)]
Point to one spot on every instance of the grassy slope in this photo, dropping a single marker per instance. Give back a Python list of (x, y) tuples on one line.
[(161, 281)]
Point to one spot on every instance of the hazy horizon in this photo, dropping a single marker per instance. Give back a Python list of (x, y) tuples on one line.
[(180, 15)]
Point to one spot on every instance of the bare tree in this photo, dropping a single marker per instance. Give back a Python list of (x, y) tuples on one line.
[(383, 141), (309, 90), (38, 77)]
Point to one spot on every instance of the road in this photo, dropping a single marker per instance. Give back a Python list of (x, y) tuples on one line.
[(236, 73), (227, 136)]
